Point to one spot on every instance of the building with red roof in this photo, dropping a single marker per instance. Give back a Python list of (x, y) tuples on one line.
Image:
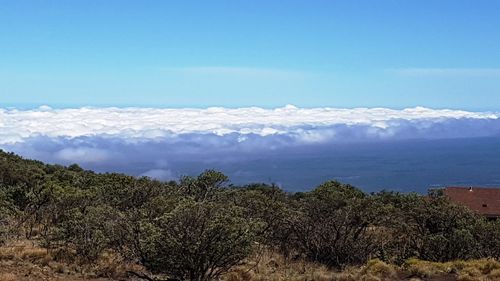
[(484, 201)]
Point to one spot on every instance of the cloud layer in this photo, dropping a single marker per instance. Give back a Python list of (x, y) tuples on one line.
[(300, 124), (167, 143)]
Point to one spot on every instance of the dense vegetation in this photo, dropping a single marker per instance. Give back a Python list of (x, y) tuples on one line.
[(199, 228)]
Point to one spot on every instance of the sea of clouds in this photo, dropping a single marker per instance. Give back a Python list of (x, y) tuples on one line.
[(155, 140)]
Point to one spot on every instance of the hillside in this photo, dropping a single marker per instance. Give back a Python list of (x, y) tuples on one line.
[(65, 223)]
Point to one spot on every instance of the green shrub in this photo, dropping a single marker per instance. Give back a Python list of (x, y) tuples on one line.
[(197, 241)]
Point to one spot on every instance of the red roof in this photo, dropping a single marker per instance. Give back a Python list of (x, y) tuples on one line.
[(485, 201)]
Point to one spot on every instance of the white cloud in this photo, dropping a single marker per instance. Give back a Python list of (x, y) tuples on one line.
[(167, 143), (238, 71), (448, 72), (160, 174), (290, 123), (82, 155)]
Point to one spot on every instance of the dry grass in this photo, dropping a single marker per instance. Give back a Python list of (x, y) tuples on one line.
[(424, 269), (379, 269), (25, 261), (24, 250), (269, 266), (475, 270), (273, 267), (8, 277)]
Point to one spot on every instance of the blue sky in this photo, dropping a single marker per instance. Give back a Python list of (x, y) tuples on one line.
[(234, 53)]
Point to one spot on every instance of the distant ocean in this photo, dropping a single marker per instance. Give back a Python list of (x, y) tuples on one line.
[(405, 166)]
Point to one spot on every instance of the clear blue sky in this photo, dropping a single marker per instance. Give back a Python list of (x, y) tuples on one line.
[(236, 53)]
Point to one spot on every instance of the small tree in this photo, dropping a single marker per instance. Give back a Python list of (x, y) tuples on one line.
[(332, 225), (87, 232), (197, 241), (205, 186), (448, 231), (430, 228)]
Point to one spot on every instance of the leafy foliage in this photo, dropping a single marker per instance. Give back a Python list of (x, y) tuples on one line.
[(199, 228)]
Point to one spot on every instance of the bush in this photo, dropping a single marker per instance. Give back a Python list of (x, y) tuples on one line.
[(197, 241), (87, 232), (432, 229), (332, 226)]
